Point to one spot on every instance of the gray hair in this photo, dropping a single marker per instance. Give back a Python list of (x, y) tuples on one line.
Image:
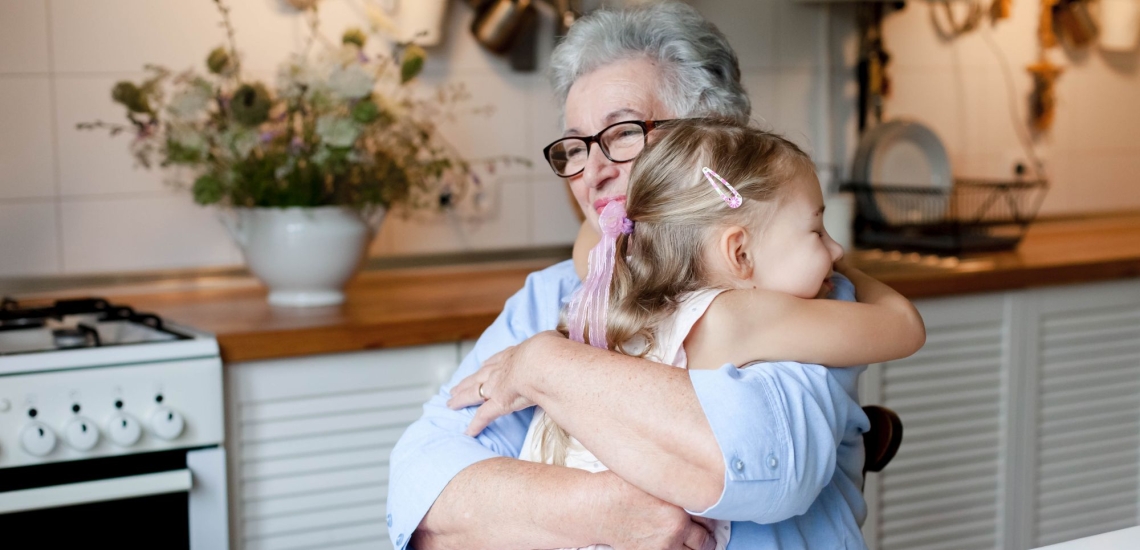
[(700, 72)]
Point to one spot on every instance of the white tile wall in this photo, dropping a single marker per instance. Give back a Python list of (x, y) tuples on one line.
[(801, 117), (165, 231), (23, 37), (59, 58), (28, 238), (1087, 178), (801, 34), (761, 87), (949, 101), (504, 130), (555, 216), (91, 162), (958, 88), (749, 26), (26, 152), (123, 35), (508, 226)]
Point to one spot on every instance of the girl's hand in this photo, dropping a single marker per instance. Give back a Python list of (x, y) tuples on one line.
[(497, 387)]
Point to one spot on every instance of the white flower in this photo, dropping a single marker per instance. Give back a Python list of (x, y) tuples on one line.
[(320, 156), (191, 101), (187, 138), (337, 131), (296, 76), (241, 141), (351, 82)]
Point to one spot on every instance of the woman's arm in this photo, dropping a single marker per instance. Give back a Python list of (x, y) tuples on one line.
[(511, 504), (448, 490), (621, 397), (697, 439), (748, 325)]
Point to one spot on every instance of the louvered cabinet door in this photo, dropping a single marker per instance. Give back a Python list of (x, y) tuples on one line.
[(943, 489), (309, 441), (1086, 350)]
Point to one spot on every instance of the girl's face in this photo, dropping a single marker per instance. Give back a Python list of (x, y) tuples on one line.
[(793, 253), (621, 91)]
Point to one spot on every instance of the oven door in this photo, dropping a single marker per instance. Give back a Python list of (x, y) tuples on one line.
[(167, 499)]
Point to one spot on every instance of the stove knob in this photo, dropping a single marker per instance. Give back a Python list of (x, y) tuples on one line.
[(81, 434), (166, 423), (37, 438), (123, 429)]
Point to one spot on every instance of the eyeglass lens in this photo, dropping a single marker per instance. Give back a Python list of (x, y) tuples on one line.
[(620, 143)]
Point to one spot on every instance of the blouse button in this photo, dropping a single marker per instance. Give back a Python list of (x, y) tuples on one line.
[(739, 465), (772, 462)]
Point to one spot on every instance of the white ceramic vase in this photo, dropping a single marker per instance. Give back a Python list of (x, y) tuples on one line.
[(304, 255), (422, 20)]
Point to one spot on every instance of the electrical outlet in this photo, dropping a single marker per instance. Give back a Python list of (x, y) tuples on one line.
[(1015, 163)]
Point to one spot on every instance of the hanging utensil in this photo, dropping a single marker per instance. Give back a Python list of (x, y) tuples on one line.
[(497, 23)]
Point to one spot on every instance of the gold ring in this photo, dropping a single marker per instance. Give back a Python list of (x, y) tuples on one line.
[(481, 396)]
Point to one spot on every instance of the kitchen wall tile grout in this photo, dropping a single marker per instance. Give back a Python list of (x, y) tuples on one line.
[(54, 121)]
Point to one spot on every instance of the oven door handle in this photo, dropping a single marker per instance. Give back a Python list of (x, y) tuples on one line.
[(100, 490)]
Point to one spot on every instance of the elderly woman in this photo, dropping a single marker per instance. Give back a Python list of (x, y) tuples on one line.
[(673, 439)]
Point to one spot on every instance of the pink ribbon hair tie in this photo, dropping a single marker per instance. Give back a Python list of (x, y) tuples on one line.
[(590, 304)]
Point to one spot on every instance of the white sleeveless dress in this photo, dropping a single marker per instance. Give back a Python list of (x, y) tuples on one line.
[(669, 349)]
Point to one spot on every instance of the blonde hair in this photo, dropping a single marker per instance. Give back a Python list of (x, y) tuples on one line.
[(676, 215)]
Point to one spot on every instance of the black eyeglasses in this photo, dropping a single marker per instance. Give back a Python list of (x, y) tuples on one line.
[(620, 142)]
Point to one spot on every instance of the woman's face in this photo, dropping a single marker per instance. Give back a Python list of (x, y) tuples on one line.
[(620, 91)]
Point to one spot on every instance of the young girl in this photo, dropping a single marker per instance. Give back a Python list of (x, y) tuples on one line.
[(714, 259)]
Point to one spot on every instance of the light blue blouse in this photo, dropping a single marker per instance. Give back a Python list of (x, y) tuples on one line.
[(790, 433)]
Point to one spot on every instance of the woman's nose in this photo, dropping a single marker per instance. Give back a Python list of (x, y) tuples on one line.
[(599, 169)]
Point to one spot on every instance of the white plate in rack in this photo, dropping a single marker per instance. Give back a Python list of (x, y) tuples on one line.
[(905, 153)]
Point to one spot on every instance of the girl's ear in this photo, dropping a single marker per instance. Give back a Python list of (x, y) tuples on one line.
[(732, 252)]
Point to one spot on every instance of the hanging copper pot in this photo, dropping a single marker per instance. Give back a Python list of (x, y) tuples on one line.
[(498, 21)]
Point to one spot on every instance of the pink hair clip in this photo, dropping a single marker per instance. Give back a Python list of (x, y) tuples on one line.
[(733, 200)]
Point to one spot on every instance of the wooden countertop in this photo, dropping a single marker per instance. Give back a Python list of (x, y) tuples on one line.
[(1056, 252), (431, 305)]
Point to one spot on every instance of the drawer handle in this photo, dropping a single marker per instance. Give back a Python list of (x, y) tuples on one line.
[(101, 490)]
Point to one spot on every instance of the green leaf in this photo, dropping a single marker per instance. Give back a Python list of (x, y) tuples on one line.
[(354, 36), (413, 63), (207, 189), (365, 111)]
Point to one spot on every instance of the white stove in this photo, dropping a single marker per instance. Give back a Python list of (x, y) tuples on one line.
[(108, 413)]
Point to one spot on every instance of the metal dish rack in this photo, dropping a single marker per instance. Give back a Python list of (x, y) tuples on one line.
[(972, 216)]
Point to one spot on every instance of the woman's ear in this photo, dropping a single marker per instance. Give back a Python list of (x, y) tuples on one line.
[(732, 252)]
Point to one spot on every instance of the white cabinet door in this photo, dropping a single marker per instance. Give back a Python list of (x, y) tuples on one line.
[(1085, 411), (309, 441), (1021, 422), (943, 490)]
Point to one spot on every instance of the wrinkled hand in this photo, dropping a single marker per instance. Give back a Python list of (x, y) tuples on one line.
[(637, 520), (497, 387)]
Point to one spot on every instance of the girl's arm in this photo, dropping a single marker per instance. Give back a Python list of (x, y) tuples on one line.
[(749, 325)]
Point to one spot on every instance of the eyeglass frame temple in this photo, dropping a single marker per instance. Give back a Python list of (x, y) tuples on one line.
[(646, 127)]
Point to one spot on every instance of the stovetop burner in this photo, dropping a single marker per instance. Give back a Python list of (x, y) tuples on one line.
[(72, 324)]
